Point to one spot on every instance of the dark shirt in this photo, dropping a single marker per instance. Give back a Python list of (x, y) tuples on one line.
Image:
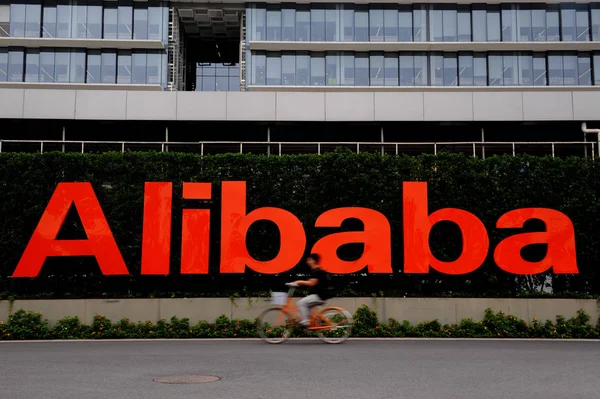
[(321, 288)]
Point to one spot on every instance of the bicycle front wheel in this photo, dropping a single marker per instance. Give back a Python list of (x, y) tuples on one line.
[(275, 325), (339, 325)]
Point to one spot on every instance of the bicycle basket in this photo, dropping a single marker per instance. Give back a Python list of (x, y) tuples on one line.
[(279, 298)]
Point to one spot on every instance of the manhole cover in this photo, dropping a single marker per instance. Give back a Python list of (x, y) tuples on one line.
[(187, 379)]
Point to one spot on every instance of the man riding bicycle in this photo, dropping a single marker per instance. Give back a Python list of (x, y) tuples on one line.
[(319, 289)]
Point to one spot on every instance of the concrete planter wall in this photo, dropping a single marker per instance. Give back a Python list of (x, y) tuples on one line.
[(415, 310)]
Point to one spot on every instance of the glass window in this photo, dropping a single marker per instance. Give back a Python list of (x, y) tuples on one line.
[(421, 69), (510, 69), (317, 69), (94, 66), (288, 18), (332, 24), (405, 23), (347, 69), (15, 65), (479, 23), (302, 23), (234, 83), (465, 69), (33, 19), (524, 23), (495, 70), (46, 66), (584, 69), (17, 20), (63, 18), (595, 16), (552, 23), (49, 19), (347, 15), (139, 65), (4, 21), (437, 69), (420, 23), (568, 24), (221, 83), (407, 69), (109, 67), (361, 23), (110, 23), (376, 25), (582, 22), (273, 24), (538, 23), (596, 70), (154, 70), (302, 69), (288, 69), (62, 66), (3, 64), (259, 24), (450, 17), (259, 66), (79, 22), (376, 68), (509, 23), (361, 69), (273, 69), (539, 70), (525, 70), (94, 20), (464, 23), (436, 31), (125, 21), (390, 24), (140, 21), (479, 70), (124, 67), (555, 70), (493, 24), (317, 25), (77, 70), (155, 23), (391, 69), (332, 69), (570, 76), (209, 83), (32, 65), (450, 70)]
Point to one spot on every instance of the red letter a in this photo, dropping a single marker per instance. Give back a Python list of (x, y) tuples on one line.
[(100, 241), (418, 224)]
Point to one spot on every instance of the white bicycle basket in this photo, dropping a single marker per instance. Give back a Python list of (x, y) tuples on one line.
[(279, 298)]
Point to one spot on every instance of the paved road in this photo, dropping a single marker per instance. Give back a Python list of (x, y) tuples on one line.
[(302, 369)]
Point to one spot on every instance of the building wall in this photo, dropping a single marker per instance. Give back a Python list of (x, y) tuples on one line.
[(415, 310), (433, 104)]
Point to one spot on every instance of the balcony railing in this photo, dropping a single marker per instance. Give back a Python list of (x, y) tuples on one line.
[(478, 149)]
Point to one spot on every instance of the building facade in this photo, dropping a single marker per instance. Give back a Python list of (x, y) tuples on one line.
[(388, 72)]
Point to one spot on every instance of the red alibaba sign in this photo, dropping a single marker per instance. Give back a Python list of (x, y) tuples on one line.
[(235, 222)]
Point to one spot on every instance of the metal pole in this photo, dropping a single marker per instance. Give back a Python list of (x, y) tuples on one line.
[(382, 141), (166, 139), (319, 148), (41, 147), (82, 146), (268, 140), (593, 150), (513, 146), (241, 148), (396, 148), (162, 147), (0, 145), (358, 148), (279, 149), (552, 150), (434, 148), (585, 146), (474, 152), (201, 149), (482, 145), (64, 135), (123, 147)]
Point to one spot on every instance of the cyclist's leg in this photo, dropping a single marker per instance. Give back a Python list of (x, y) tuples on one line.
[(304, 306)]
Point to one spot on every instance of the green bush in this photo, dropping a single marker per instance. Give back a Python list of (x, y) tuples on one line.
[(27, 325), (306, 185)]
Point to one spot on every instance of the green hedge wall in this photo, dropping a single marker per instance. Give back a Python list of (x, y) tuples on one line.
[(306, 185)]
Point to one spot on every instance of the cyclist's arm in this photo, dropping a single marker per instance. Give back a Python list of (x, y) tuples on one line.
[(307, 283)]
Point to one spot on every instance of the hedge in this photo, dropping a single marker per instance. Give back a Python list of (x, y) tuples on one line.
[(24, 325), (306, 185)]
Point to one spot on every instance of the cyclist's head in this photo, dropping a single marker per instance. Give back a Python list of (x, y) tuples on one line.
[(313, 260)]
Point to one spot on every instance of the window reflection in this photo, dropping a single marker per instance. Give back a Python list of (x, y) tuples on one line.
[(32, 65), (376, 68), (584, 69), (273, 69), (391, 69), (94, 66), (288, 69), (465, 69), (361, 69), (302, 69), (390, 24), (347, 69), (407, 70), (47, 66), (405, 24), (317, 69), (376, 25), (124, 67), (332, 68), (15, 65), (3, 64)]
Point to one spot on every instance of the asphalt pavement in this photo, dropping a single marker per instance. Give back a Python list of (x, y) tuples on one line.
[(357, 369)]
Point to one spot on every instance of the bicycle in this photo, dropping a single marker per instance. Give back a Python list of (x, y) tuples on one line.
[(332, 325)]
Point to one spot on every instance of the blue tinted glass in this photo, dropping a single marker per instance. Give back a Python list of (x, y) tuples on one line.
[(94, 21), (538, 23), (317, 25), (421, 69), (332, 24), (347, 69), (49, 19), (317, 69), (46, 66), (124, 67), (465, 69), (155, 23), (138, 70), (140, 22), (420, 23), (273, 23), (110, 23), (17, 20), (479, 24), (154, 68), (407, 69), (524, 19), (436, 32), (16, 65), (273, 69), (391, 69), (493, 23), (567, 20), (77, 69), (450, 18), (109, 67), (361, 69), (464, 23), (570, 76), (510, 69), (480, 70), (288, 20), (332, 69), (288, 69), (450, 70), (390, 23), (32, 65), (259, 66), (405, 24), (3, 64), (595, 16), (302, 24), (539, 70), (33, 19), (376, 25), (525, 69), (79, 19), (436, 61), (555, 70), (361, 23), (125, 21), (584, 68), (377, 71), (552, 23), (347, 15), (582, 22), (302, 69), (94, 67), (509, 23), (63, 18), (62, 66), (495, 70)]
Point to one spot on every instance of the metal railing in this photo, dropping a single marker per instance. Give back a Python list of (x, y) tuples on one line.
[(481, 149)]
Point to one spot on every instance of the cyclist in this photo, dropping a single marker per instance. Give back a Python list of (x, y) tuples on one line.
[(318, 291)]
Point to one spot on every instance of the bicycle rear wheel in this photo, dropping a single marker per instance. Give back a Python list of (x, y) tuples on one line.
[(275, 325), (339, 322)]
